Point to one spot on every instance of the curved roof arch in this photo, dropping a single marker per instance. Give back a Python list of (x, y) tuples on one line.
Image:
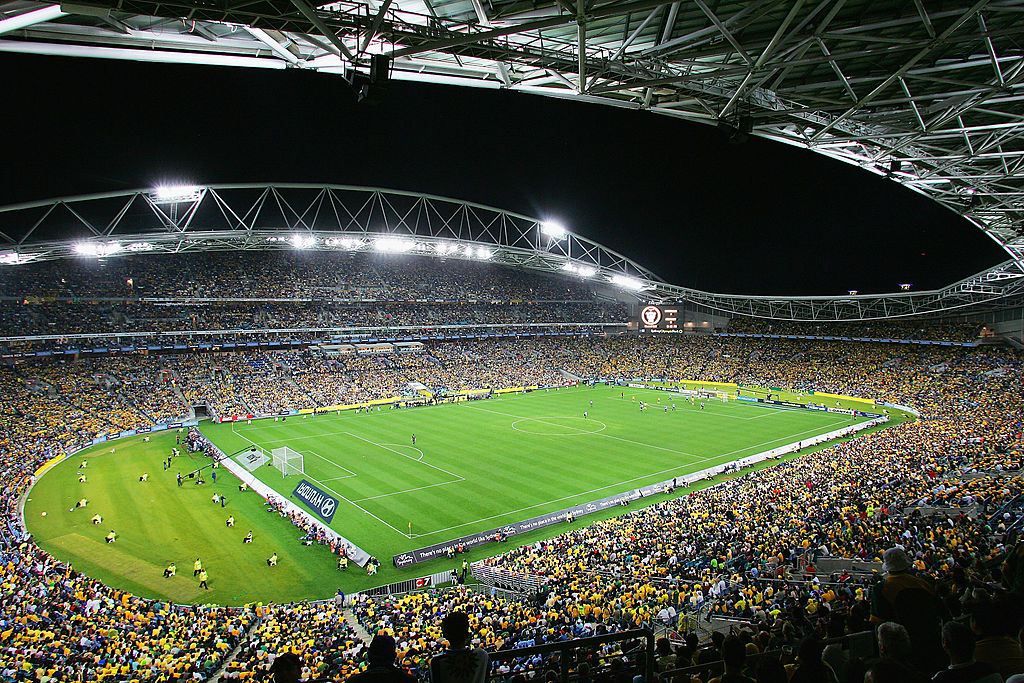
[(352, 219), (927, 94)]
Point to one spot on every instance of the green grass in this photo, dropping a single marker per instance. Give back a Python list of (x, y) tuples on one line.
[(475, 466)]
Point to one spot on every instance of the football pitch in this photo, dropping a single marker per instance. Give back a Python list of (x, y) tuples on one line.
[(478, 465), (475, 466)]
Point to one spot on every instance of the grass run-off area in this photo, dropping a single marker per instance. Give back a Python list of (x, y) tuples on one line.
[(475, 465)]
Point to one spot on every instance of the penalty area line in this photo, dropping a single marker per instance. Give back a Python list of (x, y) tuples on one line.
[(347, 500)]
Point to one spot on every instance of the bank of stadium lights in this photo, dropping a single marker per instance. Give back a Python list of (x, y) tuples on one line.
[(101, 249), (300, 241), (579, 269), (445, 248), (98, 248), (173, 194), (393, 245), (627, 282), (553, 229), (349, 243), (13, 258)]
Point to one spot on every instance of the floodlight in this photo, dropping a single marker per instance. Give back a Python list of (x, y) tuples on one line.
[(100, 249), (627, 282), (172, 194), (579, 269), (13, 258), (484, 253), (444, 248), (300, 241), (140, 246), (553, 229), (394, 245)]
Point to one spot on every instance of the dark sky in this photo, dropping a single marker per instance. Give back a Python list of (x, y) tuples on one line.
[(759, 217)]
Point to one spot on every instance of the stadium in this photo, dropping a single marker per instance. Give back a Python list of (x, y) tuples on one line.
[(353, 411)]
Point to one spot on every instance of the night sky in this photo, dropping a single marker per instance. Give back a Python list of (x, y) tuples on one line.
[(759, 217)]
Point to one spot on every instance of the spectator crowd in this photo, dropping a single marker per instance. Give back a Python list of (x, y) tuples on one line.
[(937, 500)]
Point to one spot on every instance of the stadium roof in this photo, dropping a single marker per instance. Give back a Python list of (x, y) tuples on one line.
[(350, 219), (928, 94)]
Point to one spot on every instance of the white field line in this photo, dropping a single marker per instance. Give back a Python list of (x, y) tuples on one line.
[(350, 502), (715, 412), (347, 476), (536, 505), (418, 488), (388, 448), (602, 488), (662, 448)]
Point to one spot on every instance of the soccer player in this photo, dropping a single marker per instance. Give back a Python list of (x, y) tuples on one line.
[(111, 537), (170, 571), (413, 439), (202, 580), (83, 465), (702, 405), (272, 560), (584, 414), (197, 567), (591, 404), (673, 406), (248, 537), (82, 503), (342, 563), (215, 498), (179, 479), (144, 476), (97, 519), (81, 478), (231, 520)]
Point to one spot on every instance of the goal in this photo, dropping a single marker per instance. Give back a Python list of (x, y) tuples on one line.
[(708, 394), (287, 460)]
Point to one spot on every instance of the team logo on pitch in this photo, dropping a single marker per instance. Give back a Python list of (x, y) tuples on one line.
[(650, 316), (327, 507)]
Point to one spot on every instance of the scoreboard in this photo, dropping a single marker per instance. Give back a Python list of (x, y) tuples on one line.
[(658, 318)]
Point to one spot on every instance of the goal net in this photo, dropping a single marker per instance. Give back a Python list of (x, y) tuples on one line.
[(287, 460), (708, 394)]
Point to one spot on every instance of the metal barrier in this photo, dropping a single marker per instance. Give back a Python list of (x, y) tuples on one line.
[(638, 659)]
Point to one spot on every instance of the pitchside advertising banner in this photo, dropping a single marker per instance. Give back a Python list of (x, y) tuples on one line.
[(431, 552), (322, 505)]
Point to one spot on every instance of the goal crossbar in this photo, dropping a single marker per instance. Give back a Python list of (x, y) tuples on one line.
[(287, 461)]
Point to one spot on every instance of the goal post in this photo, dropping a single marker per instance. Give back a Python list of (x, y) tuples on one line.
[(287, 461), (711, 394)]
